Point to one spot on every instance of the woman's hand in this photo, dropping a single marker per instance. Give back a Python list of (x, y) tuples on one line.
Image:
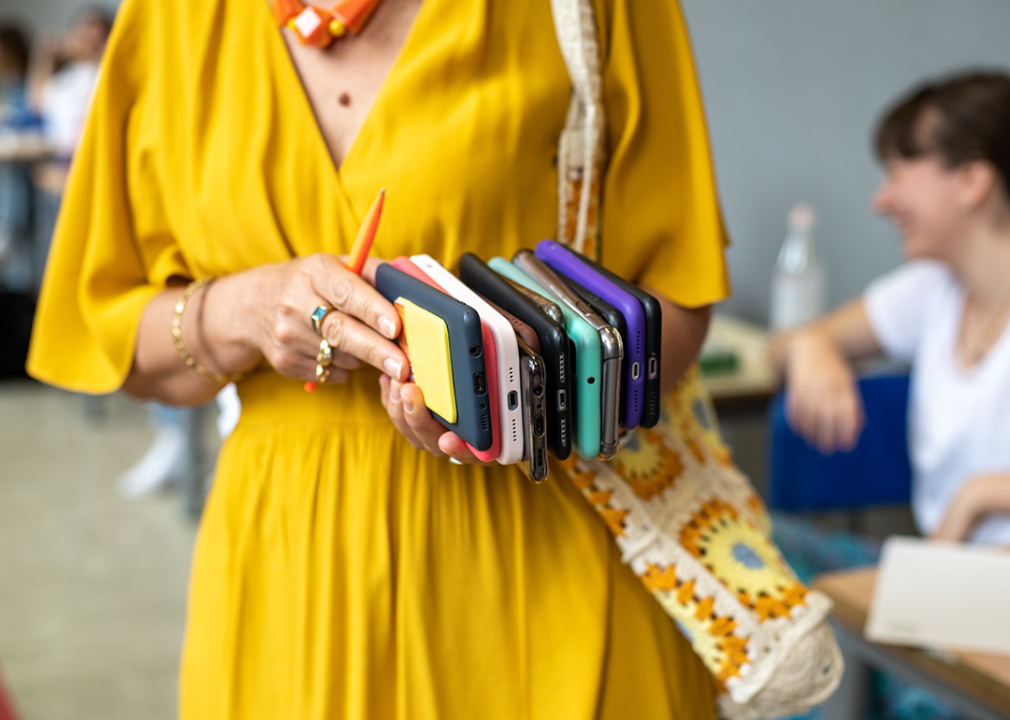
[(979, 496), (822, 399), (361, 327), (232, 324), (405, 404)]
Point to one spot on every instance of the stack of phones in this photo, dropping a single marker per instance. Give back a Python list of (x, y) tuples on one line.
[(547, 352)]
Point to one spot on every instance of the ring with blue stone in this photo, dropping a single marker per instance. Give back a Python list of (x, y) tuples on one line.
[(317, 317)]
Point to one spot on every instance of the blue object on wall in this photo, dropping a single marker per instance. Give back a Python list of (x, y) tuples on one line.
[(876, 472)]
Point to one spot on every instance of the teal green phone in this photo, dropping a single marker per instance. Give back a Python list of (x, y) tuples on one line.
[(588, 363)]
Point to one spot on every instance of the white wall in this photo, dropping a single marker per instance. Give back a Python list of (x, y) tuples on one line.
[(39, 16), (792, 90)]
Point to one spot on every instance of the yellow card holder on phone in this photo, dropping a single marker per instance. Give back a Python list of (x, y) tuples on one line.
[(425, 340)]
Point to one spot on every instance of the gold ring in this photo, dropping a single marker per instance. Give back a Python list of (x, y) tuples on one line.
[(317, 317), (325, 355), (322, 373)]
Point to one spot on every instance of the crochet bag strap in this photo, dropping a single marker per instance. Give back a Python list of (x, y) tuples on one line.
[(680, 512), (580, 150)]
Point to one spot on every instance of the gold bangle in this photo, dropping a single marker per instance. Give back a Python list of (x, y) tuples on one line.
[(181, 348)]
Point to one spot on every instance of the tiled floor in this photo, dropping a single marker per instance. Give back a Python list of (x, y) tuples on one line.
[(92, 586)]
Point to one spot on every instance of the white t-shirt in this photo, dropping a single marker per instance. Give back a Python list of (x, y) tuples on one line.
[(66, 99), (958, 421)]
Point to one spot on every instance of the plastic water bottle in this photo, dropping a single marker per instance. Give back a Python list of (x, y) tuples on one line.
[(798, 288)]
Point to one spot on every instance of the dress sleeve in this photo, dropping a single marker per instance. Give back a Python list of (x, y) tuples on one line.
[(898, 305), (662, 226), (112, 250)]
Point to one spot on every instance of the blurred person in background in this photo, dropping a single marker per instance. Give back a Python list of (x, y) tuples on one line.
[(62, 77), (946, 155), (14, 110), (15, 189)]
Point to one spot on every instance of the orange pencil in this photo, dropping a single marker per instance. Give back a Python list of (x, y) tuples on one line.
[(363, 243), (362, 246)]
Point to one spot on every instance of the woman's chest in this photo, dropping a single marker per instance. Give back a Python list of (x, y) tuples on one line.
[(462, 134)]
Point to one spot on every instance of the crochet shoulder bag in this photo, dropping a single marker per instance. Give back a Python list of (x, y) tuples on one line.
[(686, 521)]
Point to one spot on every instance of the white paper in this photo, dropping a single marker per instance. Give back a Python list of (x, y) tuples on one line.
[(938, 594)]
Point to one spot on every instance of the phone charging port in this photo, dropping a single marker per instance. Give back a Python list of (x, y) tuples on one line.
[(653, 368), (636, 371), (562, 400), (513, 400), (479, 386), (538, 426)]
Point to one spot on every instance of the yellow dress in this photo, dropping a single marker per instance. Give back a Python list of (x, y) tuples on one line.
[(338, 572)]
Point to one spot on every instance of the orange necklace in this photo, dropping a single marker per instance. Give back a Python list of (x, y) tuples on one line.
[(317, 27)]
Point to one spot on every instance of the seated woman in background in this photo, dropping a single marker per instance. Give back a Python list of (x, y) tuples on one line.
[(946, 156)]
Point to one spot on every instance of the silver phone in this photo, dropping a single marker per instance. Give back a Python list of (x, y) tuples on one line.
[(612, 348), (550, 308), (532, 373)]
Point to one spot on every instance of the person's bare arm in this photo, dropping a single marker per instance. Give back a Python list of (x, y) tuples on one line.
[(822, 402), (230, 325), (684, 331), (977, 498)]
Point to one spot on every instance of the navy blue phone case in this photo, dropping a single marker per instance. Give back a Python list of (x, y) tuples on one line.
[(466, 351)]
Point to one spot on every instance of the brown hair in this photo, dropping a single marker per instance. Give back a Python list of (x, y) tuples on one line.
[(14, 48), (959, 119)]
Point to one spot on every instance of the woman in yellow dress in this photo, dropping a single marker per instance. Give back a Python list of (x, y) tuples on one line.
[(344, 568)]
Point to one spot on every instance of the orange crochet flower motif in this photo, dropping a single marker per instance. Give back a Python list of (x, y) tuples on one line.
[(711, 635), (742, 559), (647, 465), (656, 578), (713, 512), (615, 520)]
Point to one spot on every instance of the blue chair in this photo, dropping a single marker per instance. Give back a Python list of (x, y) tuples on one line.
[(875, 472)]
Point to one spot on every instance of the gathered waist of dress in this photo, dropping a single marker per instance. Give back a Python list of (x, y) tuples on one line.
[(270, 399)]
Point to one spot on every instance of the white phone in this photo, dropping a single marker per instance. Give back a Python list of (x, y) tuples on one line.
[(509, 383)]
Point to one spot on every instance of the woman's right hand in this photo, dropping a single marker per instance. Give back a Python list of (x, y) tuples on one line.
[(823, 403), (361, 327)]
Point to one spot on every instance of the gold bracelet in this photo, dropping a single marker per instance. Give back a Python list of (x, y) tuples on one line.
[(177, 337)]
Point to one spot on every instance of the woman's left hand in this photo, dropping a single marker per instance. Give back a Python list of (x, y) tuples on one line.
[(979, 496), (404, 402)]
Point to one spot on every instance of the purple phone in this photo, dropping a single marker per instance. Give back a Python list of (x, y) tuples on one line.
[(567, 262)]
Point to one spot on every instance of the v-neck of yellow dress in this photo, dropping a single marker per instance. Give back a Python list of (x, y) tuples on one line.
[(297, 101), (381, 103)]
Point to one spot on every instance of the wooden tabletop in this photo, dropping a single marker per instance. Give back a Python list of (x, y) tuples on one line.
[(984, 676), (25, 148)]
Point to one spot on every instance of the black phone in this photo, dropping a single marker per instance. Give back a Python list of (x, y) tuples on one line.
[(532, 372), (554, 347), (460, 371)]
